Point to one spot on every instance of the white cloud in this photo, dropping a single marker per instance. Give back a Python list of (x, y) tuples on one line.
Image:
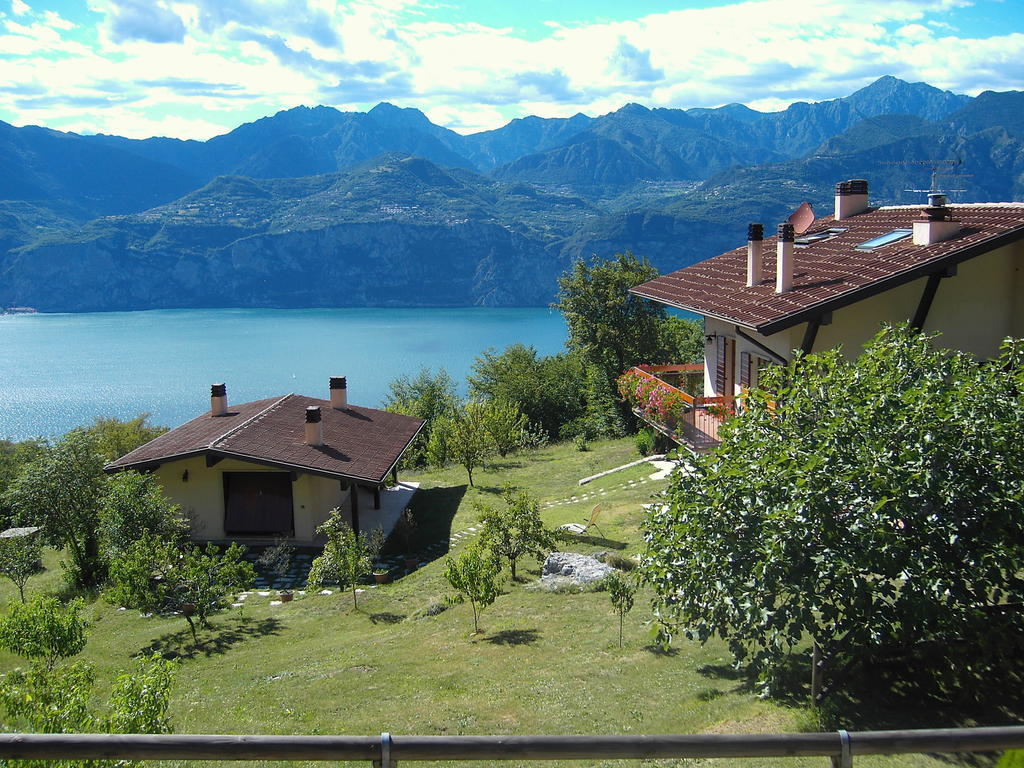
[(210, 61), (19, 7)]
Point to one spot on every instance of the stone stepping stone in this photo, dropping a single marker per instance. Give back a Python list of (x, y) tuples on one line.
[(326, 592), (237, 605), (275, 602), (263, 594)]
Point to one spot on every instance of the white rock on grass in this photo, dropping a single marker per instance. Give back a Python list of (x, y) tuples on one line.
[(326, 592), (263, 594), (569, 566), (275, 602)]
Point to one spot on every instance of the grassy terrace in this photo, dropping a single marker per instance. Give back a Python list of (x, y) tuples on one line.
[(544, 663)]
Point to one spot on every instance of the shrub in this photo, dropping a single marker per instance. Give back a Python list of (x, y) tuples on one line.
[(645, 442)]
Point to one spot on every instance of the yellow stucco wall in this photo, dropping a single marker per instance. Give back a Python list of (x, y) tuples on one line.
[(201, 497), (974, 311)]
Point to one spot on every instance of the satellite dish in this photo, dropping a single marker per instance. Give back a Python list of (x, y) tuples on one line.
[(802, 218)]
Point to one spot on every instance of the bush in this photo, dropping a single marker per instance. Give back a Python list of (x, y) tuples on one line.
[(581, 442), (623, 563), (645, 442)]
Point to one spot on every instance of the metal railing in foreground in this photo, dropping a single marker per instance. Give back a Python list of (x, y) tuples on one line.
[(386, 750)]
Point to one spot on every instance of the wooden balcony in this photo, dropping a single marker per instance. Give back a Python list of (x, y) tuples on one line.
[(691, 419)]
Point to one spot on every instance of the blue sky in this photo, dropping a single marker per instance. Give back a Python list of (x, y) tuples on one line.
[(197, 68)]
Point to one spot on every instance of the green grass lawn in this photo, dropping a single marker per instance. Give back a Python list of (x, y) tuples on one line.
[(544, 663)]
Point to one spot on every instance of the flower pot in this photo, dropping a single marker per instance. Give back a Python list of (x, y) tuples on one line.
[(285, 596), (188, 609), (382, 578)]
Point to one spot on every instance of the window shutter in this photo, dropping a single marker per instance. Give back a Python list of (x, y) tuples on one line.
[(720, 366), (745, 370)]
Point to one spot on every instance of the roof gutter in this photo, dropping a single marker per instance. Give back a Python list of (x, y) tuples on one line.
[(692, 310)]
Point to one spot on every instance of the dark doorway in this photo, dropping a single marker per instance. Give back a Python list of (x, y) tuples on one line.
[(258, 504)]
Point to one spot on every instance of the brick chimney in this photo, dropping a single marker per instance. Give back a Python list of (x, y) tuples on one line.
[(314, 426), (755, 253), (935, 222), (218, 399), (851, 198), (784, 259), (339, 393)]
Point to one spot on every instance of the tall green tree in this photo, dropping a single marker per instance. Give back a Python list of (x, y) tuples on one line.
[(428, 396), (474, 577), (505, 425), (865, 505), (133, 504), (516, 530), (114, 437), (14, 455), (62, 491), (609, 326), (548, 390)]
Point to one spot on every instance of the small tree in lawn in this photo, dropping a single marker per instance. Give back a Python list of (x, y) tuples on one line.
[(505, 424), (474, 576), (621, 590), (52, 698), (44, 629), (516, 530), (347, 558), (467, 438), (19, 559), (157, 576)]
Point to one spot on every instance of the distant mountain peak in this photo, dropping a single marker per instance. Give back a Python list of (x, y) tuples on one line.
[(386, 111)]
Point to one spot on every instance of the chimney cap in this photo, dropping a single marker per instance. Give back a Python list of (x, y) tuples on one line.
[(786, 233), (852, 187), (755, 231), (338, 382), (312, 414), (218, 390)]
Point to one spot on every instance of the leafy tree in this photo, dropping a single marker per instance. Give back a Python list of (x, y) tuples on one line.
[(474, 577), (159, 576), (429, 396), (135, 503), (682, 340), (438, 451), (621, 590), (13, 457), (547, 390), (62, 491), (44, 629), (114, 438), (56, 700), (19, 559), (347, 558), (609, 326), (505, 424), (467, 438), (864, 506), (516, 530), (602, 417)]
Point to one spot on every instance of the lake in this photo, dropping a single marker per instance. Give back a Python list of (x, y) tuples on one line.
[(60, 371)]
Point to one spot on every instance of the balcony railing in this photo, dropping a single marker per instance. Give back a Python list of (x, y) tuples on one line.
[(387, 750), (663, 396)]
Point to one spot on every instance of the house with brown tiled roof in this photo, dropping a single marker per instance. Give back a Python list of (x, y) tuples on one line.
[(274, 468), (829, 281)]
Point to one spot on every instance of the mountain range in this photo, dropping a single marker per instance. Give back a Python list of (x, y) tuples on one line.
[(317, 207)]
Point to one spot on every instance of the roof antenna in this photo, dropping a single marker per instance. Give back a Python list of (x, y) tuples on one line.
[(934, 166)]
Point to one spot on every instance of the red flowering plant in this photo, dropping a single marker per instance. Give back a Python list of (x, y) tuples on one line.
[(655, 400)]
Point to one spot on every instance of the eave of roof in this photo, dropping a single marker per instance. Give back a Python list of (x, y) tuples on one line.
[(180, 444), (661, 289)]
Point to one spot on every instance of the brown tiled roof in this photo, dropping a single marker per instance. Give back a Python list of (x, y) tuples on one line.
[(359, 443), (831, 274)]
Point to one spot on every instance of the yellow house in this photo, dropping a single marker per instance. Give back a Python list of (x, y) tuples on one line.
[(274, 468), (822, 282)]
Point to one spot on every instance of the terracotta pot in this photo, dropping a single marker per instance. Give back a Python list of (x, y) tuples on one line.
[(188, 608), (285, 596), (382, 578)]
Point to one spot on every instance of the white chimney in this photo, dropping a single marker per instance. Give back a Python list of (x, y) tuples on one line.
[(935, 223), (218, 399), (851, 198), (339, 393), (784, 259), (755, 253), (314, 426)]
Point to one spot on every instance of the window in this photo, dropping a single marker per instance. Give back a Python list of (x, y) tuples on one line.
[(816, 237), (889, 237)]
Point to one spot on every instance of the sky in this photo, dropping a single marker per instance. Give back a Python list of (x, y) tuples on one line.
[(198, 68)]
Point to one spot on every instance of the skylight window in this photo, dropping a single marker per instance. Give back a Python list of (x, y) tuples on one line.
[(817, 237), (889, 237)]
